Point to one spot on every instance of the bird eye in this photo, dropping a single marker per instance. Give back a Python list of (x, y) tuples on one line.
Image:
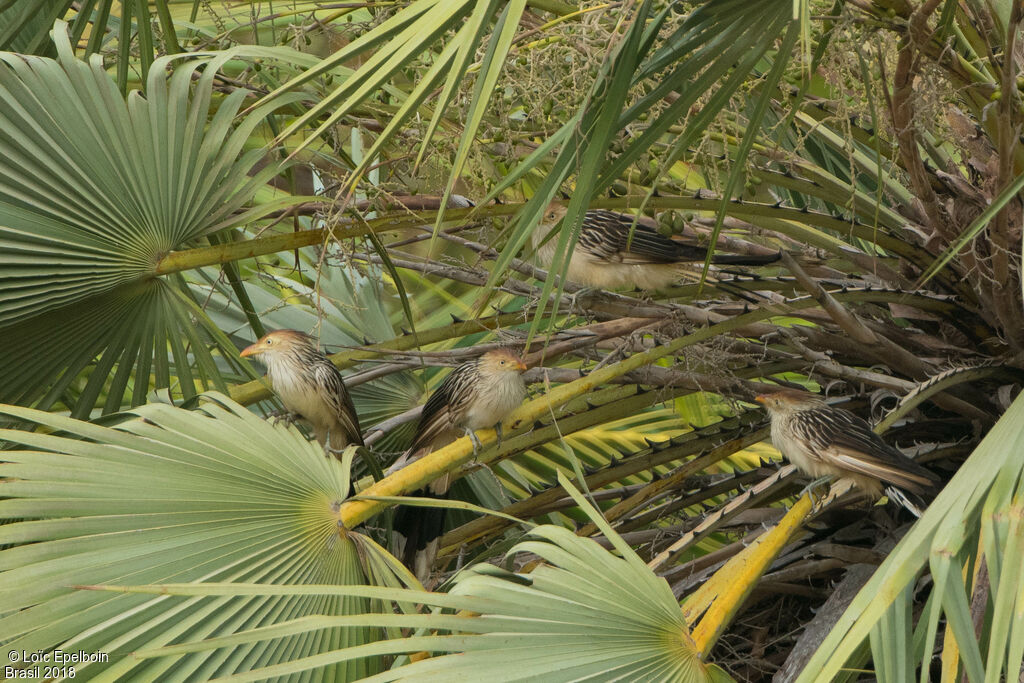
[(269, 342)]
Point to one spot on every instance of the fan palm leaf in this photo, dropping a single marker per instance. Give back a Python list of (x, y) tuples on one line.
[(174, 495), (586, 613), (94, 190)]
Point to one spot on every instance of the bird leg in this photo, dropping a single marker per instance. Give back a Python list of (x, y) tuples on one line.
[(328, 451), (476, 441), (461, 558), (497, 430), (286, 416), (580, 293), (812, 487)]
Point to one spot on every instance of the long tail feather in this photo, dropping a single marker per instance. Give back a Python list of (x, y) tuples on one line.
[(745, 259), (421, 527), (901, 498)]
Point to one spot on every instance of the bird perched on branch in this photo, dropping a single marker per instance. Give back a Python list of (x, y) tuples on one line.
[(620, 251), (477, 394), (309, 386), (824, 441)]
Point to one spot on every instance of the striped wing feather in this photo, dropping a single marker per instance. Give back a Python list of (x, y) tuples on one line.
[(847, 442), (606, 235), (340, 401), (444, 407)]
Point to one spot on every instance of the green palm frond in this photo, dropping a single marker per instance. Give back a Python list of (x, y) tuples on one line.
[(90, 202), (595, 447), (587, 613), (24, 25), (170, 495)]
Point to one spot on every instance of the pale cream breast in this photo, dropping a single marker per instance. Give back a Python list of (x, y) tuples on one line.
[(795, 451), (590, 271), (493, 406), (297, 398)]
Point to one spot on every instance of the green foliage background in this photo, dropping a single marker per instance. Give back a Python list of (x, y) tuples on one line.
[(178, 177)]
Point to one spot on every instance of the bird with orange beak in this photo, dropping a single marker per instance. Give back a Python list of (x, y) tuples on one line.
[(309, 386), (828, 442), (477, 394)]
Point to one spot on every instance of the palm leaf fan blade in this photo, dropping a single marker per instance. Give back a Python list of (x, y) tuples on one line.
[(172, 496), (89, 204)]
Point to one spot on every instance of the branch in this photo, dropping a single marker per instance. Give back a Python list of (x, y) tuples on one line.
[(703, 445), (177, 261), (875, 344), (780, 480), (726, 591), (659, 486), (377, 431)]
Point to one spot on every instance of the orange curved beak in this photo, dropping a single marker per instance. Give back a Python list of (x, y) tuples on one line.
[(250, 350), (760, 398)]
